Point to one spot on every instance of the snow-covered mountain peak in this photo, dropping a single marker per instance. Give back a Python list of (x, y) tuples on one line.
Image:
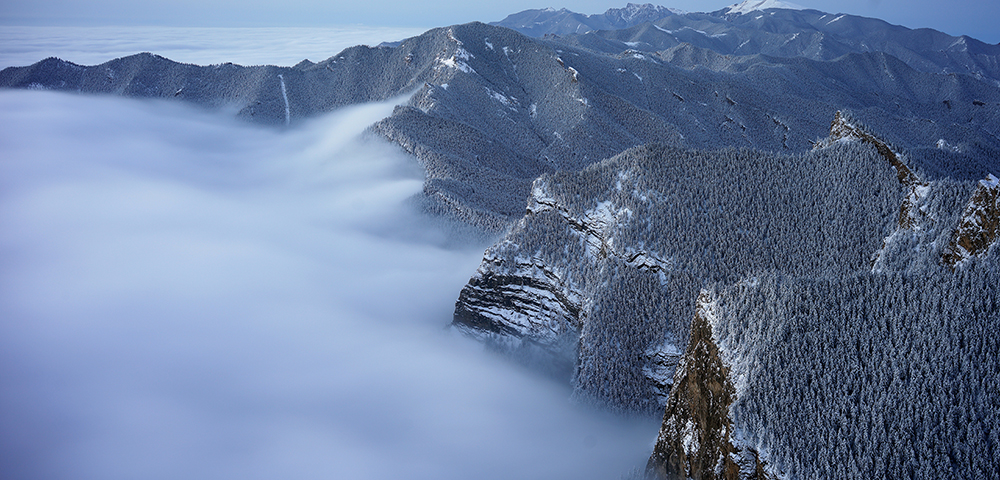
[(636, 12), (751, 5), (633, 10)]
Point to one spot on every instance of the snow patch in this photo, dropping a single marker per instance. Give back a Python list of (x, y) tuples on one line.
[(922, 191), (689, 440), (451, 36), (576, 74), (696, 30), (463, 54), (284, 95), (506, 101), (990, 181), (600, 220), (754, 5), (457, 60)]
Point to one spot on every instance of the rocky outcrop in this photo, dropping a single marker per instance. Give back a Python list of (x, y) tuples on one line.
[(525, 308), (842, 129), (662, 364), (596, 226), (979, 226), (532, 310), (696, 439)]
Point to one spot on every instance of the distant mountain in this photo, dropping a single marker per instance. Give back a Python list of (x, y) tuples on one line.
[(741, 31), (537, 23)]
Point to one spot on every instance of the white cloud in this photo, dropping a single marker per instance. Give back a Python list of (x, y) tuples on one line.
[(284, 46), (185, 296)]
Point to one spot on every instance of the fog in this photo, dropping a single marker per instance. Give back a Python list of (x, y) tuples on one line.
[(284, 46), (185, 296)]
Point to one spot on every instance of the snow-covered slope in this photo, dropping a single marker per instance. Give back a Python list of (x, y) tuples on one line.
[(754, 5)]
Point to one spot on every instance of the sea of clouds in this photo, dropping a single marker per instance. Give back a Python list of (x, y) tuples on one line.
[(186, 296), (283, 46)]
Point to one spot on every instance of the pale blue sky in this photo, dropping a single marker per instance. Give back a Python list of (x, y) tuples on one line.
[(976, 18)]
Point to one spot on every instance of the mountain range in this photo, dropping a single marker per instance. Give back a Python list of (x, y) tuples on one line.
[(774, 226), (537, 23)]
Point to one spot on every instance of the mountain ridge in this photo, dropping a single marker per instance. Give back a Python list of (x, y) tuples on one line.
[(803, 33), (540, 22), (483, 131)]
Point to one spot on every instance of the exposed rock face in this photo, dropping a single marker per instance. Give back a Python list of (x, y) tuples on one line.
[(534, 308), (596, 227), (526, 309), (979, 226), (663, 361), (696, 439)]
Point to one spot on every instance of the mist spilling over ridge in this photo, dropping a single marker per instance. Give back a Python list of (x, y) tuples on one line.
[(185, 296), (770, 231)]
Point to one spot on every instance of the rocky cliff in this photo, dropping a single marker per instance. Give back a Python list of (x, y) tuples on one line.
[(979, 226), (524, 308), (533, 306), (697, 437)]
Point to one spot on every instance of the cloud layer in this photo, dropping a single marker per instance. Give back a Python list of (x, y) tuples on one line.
[(183, 296), (283, 46)]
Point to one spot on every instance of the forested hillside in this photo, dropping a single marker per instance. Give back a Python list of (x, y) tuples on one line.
[(885, 375), (597, 284), (636, 236)]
